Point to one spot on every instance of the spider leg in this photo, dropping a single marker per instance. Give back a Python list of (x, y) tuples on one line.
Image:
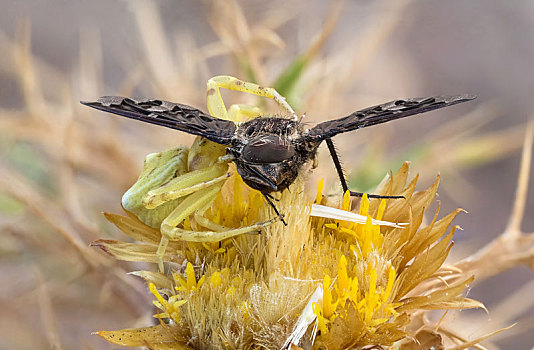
[(271, 197), (179, 234), (186, 184), (198, 203), (186, 207), (220, 231), (241, 112), (341, 175), (189, 205), (159, 168), (216, 105)]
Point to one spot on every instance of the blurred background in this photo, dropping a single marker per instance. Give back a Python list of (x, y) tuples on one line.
[(62, 165)]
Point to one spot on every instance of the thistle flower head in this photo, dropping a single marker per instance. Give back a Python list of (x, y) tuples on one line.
[(342, 284)]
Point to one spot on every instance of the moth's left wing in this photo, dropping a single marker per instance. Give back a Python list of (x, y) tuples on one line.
[(381, 114), (171, 115)]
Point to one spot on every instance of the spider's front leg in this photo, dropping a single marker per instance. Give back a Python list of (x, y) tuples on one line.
[(159, 168), (216, 105), (173, 177), (197, 204), (169, 176)]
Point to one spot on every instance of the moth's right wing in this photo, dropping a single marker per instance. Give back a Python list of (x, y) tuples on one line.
[(171, 115)]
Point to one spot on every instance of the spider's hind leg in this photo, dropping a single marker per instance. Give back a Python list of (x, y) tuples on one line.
[(341, 175)]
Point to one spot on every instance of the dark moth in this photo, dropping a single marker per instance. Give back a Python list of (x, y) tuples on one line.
[(269, 152)]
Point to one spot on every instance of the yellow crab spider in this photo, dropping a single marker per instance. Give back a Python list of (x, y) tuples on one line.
[(178, 183)]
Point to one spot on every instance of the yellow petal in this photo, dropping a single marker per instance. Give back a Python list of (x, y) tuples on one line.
[(364, 205), (215, 279), (342, 277), (190, 276), (328, 308), (158, 296), (320, 187), (389, 286)]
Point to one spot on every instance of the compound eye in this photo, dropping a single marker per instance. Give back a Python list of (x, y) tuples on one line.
[(267, 149)]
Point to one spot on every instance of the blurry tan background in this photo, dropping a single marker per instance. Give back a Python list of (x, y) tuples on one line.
[(61, 164)]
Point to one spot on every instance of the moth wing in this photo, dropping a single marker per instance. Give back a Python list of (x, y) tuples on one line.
[(168, 114), (383, 113)]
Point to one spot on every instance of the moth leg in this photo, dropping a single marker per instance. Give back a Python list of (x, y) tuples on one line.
[(268, 199), (341, 175), (215, 102), (360, 194)]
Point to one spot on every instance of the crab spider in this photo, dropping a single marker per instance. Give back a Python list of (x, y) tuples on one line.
[(180, 183)]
